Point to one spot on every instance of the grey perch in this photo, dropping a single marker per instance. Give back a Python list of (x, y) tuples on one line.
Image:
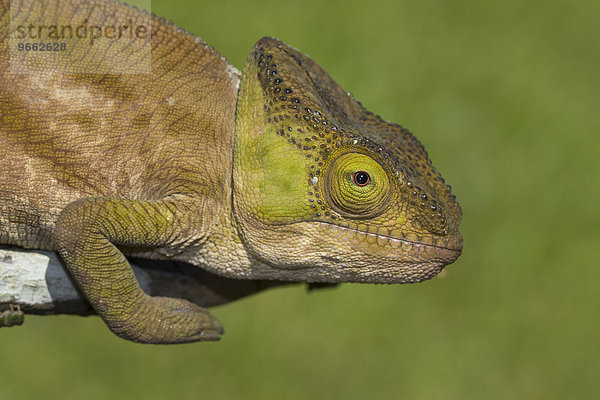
[(37, 283)]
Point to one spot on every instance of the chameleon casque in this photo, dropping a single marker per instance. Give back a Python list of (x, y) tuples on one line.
[(276, 173)]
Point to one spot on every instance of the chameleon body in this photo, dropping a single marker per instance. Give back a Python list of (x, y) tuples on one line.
[(276, 173)]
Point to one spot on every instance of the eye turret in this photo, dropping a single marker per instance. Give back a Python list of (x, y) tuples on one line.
[(357, 186)]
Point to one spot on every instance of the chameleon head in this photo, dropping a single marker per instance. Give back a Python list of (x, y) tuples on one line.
[(326, 191)]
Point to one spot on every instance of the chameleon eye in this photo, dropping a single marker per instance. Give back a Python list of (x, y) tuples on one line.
[(356, 185), (361, 178)]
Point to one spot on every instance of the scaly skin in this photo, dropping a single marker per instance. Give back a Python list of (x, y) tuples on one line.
[(287, 178)]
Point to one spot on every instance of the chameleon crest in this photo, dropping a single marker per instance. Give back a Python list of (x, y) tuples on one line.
[(154, 148)]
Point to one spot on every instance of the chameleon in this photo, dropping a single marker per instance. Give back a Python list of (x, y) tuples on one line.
[(150, 144)]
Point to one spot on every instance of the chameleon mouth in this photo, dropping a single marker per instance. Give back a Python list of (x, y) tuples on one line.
[(413, 250)]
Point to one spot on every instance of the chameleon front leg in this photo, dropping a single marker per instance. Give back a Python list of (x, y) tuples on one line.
[(87, 233)]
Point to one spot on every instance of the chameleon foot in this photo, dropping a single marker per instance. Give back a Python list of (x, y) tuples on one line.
[(12, 317), (168, 320)]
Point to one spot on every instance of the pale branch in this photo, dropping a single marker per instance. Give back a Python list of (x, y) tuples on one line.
[(37, 282)]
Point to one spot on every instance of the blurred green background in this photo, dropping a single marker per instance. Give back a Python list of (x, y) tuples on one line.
[(505, 97)]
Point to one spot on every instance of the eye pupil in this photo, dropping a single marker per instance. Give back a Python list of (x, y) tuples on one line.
[(361, 178)]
